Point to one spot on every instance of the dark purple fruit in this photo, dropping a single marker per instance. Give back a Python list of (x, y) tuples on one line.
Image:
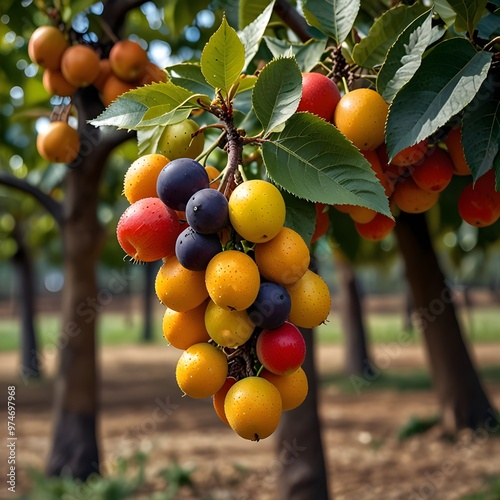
[(271, 307), (195, 250), (179, 180), (207, 211)]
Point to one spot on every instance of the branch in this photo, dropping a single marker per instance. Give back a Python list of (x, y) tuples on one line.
[(52, 206), (115, 11), (292, 19)]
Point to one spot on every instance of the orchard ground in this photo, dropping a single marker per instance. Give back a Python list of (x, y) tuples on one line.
[(143, 410)]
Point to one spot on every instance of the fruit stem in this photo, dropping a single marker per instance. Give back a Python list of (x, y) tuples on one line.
[(259, 370), (346, 85), (204, 156)]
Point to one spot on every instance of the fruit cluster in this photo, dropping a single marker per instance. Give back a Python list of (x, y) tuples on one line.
[(413, 179), (68, 67), (236, 284)]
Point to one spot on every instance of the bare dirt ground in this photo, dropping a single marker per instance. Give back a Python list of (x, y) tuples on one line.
[(142, 408)]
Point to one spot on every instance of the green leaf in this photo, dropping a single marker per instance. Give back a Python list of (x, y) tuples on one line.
[(371, 51), (123, 113), (306, 54), (223, 58), (180, 13), (77, 6), (469, 12), (300, 215), (190, 77), (489, 26), (334, 18), (481, 127), (436, 92), (405, 56), (249, 10), (311, 159), (277, 93), (252, 34), (148, 139), (163, 116), (445, 12)]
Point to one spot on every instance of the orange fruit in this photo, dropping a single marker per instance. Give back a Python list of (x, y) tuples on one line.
[(140, 179), (80, 65), (46, 47)]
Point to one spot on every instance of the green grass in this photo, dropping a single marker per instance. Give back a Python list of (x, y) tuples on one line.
[(490, 492), (119, 328)]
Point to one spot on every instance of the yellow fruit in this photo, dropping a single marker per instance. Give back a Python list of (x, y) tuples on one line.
[(361, 115), (179, 288), (293, 388), (311, 301), (253, 408), (201, 370), (140, 178), (227, 328), (183, 329), (232, 279), (257, 210), (284, 259)]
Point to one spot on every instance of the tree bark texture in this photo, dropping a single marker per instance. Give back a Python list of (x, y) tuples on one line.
[(302, 474), (30, 367), (357, 361), (462, 399)]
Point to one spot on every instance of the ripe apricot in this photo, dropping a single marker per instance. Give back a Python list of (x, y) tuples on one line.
[(201, 370), (413, 199), (377, 229), (479, 203), (253, 408), (140, 178), (177, 140), (179, 288), (284, 259), (80, 65), (213, 174), (376, 165), (153, 74), (456, 151), (293, 388), (232, 280), (219, 398), (434, 173), (55, 83), (58, 143), (104, 73), (361, 115), (322, 222), (114, 87), (257, 210), (46, 47), (183, 329), (128, 60), (411, 155), (361, 214), (311, 300)]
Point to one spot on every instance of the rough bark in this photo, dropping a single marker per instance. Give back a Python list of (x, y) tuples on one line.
[(302, 472), (357, 361), (30, 367), (462, 399)]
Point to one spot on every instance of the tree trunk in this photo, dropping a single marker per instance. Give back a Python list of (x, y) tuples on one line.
[(302, 470), (30, 367), (357, 361), (74, 447), (461, 396)]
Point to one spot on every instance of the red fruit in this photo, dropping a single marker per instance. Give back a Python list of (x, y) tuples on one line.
[(377, 229), (392, 173), (281, 350), (412, 198), (410, 155), (320, 95), (148, 229), (435, 172), (479, 203), (322, 222)]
